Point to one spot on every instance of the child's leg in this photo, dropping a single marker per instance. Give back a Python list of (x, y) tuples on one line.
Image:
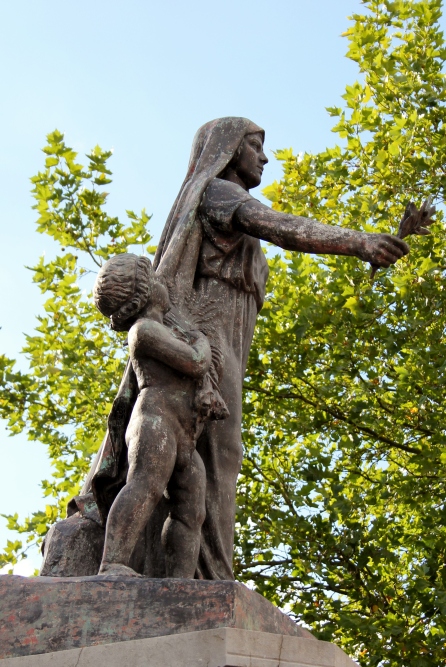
[(152, 454), (182, 530)]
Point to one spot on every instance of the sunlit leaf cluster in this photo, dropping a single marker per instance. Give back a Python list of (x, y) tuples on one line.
[(74, 359), (341, 507), (342, 514)]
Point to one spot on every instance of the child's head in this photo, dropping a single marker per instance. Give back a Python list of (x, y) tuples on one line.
[(124, 286)]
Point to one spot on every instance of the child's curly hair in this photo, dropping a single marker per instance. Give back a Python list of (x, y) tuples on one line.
[(122, 288)]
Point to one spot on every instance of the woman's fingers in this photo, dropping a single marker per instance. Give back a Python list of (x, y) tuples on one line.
[(396, 245), (386, 257), (384, 249), (392, 253)]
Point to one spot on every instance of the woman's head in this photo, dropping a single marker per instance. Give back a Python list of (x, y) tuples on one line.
[(124, 286), (215, 146), (246, 167), (219, 142)]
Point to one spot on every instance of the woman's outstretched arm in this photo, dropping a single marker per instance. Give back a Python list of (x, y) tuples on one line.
[(292, 232)]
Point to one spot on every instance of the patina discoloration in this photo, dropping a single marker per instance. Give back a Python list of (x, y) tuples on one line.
[(211, 262), (175, 397), (50, 614)]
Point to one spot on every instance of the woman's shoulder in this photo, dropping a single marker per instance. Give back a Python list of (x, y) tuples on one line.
[(221, 199), (221, 190)]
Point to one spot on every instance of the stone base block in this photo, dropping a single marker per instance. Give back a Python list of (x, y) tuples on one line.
[(50, 614), (224, 647)]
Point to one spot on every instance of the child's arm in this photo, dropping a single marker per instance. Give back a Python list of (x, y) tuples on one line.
[(148, 338)]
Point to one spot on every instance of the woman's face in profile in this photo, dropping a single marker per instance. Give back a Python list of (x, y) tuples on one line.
[(251, 160)]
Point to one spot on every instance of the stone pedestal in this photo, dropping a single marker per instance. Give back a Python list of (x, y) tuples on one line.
[(115, 622), (225, 647)]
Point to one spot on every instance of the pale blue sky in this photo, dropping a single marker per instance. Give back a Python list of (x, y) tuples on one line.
[(141, 77)]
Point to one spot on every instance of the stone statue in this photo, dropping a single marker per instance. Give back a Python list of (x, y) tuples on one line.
[(210, 260)]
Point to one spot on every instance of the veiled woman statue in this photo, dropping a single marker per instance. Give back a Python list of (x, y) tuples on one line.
[(209, 255)]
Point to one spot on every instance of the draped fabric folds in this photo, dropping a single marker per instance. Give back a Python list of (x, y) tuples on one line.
[(176, 260), (214, 146)]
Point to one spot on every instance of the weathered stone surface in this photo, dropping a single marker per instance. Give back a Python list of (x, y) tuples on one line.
[(210, 259), (74, 547), (224, 647), (47, 614)]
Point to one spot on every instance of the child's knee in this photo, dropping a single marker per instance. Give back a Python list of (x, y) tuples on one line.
[(196, 516), (192, 512)]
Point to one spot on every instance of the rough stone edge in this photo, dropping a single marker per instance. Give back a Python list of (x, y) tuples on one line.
[(228, 647), (284, 624)]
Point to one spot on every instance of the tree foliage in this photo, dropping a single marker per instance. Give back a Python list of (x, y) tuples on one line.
[(341, 505), (75, 360), (342, 511)]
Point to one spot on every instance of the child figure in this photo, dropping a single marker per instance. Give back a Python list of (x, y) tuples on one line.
[(161, 436)]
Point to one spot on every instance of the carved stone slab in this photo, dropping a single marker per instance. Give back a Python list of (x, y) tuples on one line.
[(225, 647), (47, 614)]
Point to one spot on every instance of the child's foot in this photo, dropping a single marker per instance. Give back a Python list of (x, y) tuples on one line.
[(117, 570)]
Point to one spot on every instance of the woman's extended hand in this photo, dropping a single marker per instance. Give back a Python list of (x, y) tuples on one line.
[(381, 249)]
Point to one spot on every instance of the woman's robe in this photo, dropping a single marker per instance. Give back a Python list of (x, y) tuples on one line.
[(202, 257)]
